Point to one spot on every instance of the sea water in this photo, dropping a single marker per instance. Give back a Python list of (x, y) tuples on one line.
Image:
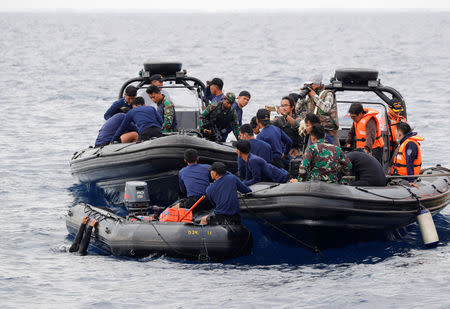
[(61, 71)]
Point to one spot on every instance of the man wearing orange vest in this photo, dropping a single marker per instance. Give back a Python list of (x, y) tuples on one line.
[(365, 132), (395, 117), (407, 159)]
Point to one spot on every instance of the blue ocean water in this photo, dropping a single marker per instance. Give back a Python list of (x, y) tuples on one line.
[(61, 71)]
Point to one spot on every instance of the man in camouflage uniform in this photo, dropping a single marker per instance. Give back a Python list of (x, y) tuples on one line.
[(165, 108), (322, 103), (324, 162), (216, 118)]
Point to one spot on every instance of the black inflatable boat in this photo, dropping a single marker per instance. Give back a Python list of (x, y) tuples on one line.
[(146, 160), (334, 214), (156, 160), (135, 237)]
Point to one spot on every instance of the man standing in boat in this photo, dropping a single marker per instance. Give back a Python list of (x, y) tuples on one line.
[(123, 104), (322, 161), (242, 101), (223, 194), (289, 124), (365, 132), (213, 90), (217, 117), (193, 181), (148, 121), (317, 100), (157, 80), (281, 143), (407, 158), (395, 117), (165, 108)]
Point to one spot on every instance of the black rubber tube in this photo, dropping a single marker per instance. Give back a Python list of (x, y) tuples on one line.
[(76, 243), (85, 241)]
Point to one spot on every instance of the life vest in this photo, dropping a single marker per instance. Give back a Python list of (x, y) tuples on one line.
[(360, 130), (394, 119), (399, 158), (174, 215)]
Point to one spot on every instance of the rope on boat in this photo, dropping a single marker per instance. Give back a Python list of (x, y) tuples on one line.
[(315, 249)]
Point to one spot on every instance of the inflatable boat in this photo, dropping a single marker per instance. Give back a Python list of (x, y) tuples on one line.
[(146, 160), (138, 236), (329, 214), (159, 159)]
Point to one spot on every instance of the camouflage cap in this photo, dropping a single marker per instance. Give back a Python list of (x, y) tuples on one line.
[(230, 97)]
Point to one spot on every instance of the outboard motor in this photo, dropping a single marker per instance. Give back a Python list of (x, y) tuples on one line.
[(136, 198)]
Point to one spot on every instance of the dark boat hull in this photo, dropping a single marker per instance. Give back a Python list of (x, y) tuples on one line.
[(326, 214), (122, 162), (121, 237)]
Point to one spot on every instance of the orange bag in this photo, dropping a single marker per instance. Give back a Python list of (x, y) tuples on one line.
[(174, 215)]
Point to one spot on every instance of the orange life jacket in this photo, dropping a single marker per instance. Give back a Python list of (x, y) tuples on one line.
[(174, 215), (360, 130), (399, 158), (394, 119)]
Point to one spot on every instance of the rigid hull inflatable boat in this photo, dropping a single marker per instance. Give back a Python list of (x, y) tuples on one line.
[(326, 213), (112, 165), (123, 162), (135, 237)]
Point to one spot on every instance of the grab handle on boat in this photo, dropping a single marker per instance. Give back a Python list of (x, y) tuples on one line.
[(192, 208)]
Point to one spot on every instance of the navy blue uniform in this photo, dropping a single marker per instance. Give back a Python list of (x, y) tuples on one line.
[(194, 179), (212, 97), (143, 116), (257, 170), (277, 139), (115, 108), (110, 127), (223, 194), (259, 148)]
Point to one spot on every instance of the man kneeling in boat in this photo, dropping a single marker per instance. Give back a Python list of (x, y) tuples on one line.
[(110, 127), (223, 194), (407, 158), (148, 121), (324, 162), (257, 169), (193, 181)]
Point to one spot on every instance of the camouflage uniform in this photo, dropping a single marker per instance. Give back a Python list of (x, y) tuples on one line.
[(324, 162), (213, 116), (325, 101), (167, 111)]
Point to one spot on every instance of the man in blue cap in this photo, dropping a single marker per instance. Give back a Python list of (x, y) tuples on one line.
[(213, 91)]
